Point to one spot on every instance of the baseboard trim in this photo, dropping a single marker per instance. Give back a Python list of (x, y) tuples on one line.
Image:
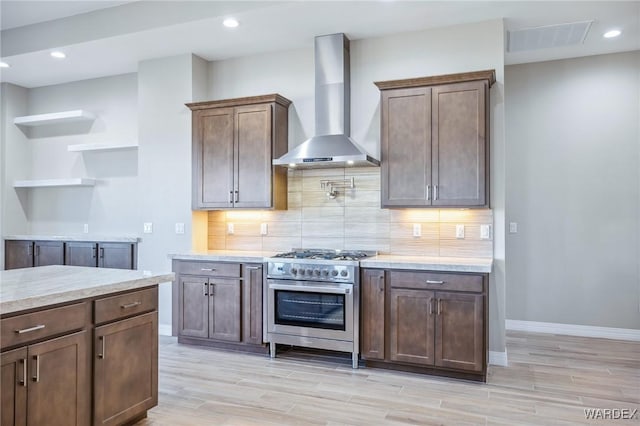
[(498, 358), (164, 329), (574, 330)]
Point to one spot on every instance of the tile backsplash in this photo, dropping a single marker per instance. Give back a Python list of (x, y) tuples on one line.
[(351, 220)]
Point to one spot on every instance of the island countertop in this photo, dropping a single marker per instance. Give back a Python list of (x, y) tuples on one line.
[(33, 288)]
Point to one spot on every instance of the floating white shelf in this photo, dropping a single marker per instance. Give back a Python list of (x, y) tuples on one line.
[(101, 147), (55, 118), (43, 183)]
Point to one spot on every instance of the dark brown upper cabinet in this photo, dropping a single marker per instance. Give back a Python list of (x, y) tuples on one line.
[(234, 143), (435, 140)]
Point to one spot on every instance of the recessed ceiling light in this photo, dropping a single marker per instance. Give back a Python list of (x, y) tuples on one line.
[(612, 33), (4, 65), (230, 22), (58, 54)]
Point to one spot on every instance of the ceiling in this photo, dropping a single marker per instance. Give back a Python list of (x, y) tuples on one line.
[(102, 38)]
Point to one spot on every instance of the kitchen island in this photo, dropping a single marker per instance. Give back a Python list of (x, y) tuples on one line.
[(71, 336)]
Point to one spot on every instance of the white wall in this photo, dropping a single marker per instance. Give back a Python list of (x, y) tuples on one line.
[(462, 48), (110, 206), (164, 132), (573, 187)]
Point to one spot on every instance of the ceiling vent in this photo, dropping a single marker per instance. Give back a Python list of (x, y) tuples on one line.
[(547, 36)]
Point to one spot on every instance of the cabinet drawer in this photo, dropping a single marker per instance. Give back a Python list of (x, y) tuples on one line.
[(209, 269), (125, 305), (25, 328), (436, 281)]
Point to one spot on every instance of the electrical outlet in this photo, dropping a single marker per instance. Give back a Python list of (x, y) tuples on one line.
[(179, 228), (486, 232), (85, 228), (264, 230), (417, 230), (147, 228), (146, 273), (230, 228), (513, 227), (460, 231)]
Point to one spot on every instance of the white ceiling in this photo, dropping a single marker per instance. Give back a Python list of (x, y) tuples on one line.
[(109, 37)]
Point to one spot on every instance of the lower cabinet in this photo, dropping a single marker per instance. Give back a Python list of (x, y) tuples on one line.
[(47, 383), (25, 254), (125, 369), (222, 304), (423, 319)]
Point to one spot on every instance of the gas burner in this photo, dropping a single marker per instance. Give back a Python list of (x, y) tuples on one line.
[(323, 254)]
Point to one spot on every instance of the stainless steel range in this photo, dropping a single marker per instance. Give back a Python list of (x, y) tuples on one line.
[(313, 300)]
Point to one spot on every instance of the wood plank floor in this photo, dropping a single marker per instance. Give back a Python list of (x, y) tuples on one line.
[(550, 381)]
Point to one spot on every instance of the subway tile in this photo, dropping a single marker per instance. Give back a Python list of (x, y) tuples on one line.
[(284, 229), (216, 242), (429, 231), (323, 173), (365, 181), (414, 215), (322, 214), (413, 247), (294, 200), (323, 229), (381, 245), (367, 230), (466, 248), (280, 244), (466, 215), (246, 229), (365, 214), (217, 229), (313, 183), (216, 216), (237, 216), (362, 198), (291, 215)]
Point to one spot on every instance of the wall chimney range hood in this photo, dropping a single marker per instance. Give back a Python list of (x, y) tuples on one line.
[(331, 146)]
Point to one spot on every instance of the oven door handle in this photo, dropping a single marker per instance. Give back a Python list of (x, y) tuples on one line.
[(314, 289)]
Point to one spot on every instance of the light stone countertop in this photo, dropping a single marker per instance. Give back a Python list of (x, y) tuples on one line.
[(429, 263), (31, 288), (224, 256), (77, 237)]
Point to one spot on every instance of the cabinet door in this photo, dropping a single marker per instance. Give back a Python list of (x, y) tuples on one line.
[(116, 255), (224, 316), (406, 147), (18, 254), (125, 369), (48, 253), (459, 144), (213, 158), (372, 314), (459, 331), (252, 304), (13, 390), (253, 130), (411, 326), (81, 254), (193, 308), (59, 383)]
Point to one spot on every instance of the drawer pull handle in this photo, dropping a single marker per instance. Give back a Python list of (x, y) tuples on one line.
[(101, 354), (23, 381), (430, 305), (253, 268), (30, 329), (36, 378), (208, 269), (439, 306), (434, 282), (130, 305)]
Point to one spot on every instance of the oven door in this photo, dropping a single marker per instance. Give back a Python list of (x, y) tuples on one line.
[(310, 309)]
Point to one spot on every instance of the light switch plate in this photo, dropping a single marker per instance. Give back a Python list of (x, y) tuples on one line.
[(486, 232), (230, 228), (264, 230), (460, 231), (179, 228), (85, 228), (147, 228), (513, 227), (417, 230)]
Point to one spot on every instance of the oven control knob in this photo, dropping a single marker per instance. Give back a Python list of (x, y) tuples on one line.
[(343, 273), (317, 272), (301, 271), (309, 272), (334, 273), (294, 271), (325, 273)]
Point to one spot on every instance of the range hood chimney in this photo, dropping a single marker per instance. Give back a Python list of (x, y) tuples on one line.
[(331, 146)]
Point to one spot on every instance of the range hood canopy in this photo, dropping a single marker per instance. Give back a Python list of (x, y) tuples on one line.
[(332, 146)]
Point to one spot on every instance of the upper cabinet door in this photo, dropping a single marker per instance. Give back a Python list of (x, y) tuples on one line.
[(459, 144), (253, 167), (406, 147), (213, 158)]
